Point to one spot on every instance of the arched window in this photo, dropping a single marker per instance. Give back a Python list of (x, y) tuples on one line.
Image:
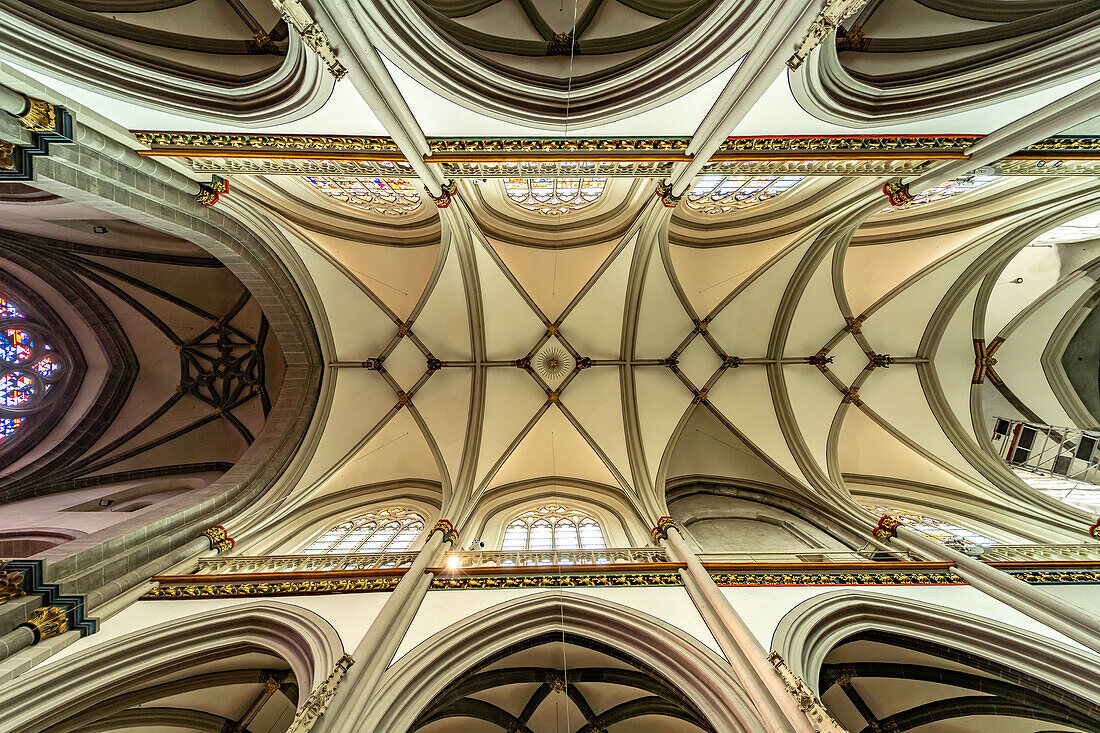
[(392, 196), (553, 527), (386, 530), (945, 190), (938, 530), (554, 195), (29, 367), (721, 194)]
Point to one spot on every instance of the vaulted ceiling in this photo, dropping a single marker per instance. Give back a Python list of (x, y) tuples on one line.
[(818, 342)]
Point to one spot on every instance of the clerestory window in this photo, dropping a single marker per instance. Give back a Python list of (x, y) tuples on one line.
[(722, 194), (390, 196), (554, 195), (553, 527), (393, 529)]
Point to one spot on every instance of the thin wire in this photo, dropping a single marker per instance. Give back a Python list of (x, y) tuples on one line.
[(580, 182)]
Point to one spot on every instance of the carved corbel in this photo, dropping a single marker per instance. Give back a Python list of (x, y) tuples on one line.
[(443, 200), (450, 534), (219, 539), (886, 528), (660, 532), (897, 192), (664, 192)]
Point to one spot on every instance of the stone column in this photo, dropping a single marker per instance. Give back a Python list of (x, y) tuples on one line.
[(1062, 616), (778, 708), (374, 653)]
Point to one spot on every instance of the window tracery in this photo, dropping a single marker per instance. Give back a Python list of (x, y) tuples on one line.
[(939, 530), (390, 196), (947, 189), (29, 367), (554, 195), (722, 194), (393, 529), (553, 527)]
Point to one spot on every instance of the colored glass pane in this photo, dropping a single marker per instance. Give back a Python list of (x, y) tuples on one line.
[(392, 196), (16, 346), (554, 195), (553, 527), (721, 194), (16, 389), (386, 530)]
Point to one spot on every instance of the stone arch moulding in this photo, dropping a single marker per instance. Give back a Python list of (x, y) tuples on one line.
[(427, 669), (56, 692), (830, 91), (811, 629), (498, 83), (157, 69)]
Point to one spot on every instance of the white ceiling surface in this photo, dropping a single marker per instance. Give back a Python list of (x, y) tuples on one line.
[(586, 437)]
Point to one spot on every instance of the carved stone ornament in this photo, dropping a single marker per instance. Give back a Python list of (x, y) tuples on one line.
[(6, 152), (47, 622), (897, 192), (219, 539), (40, 116), (886, 528), (11, 586), (827, 21), (660, 532), (664, 192), (448, 530), (807, 702), (1094, 530), (206, 195), (443, 200), (319, 699), (296, 16)]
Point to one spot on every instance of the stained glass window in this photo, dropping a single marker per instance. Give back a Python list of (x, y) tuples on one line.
[(938, 530), (28, 368), (387, 530), (721, 194), (554, 195), (954, 187), (392, 196), (553, 527)]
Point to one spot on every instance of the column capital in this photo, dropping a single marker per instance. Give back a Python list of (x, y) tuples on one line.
[(450, 534), (39, 116), (1094, 530), (897, 192), (47, 622), (219, 538), (664, 192), (443, 200), (886, 528), (664, 524)]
